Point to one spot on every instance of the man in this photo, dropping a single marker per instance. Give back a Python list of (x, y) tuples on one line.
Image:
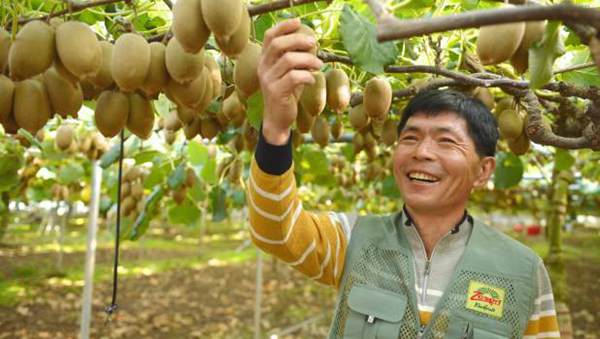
[(430, 271)]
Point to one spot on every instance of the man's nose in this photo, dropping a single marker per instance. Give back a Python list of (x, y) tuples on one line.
[(424, 150)]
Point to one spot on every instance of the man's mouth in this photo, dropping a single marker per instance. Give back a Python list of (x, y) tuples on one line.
[(422, 177)]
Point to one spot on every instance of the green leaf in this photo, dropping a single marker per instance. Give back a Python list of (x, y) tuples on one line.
[(563, 160), (9, 166), (509, 170), (217, 204), (209, 172), (262, 24), (146, 156), (32, 140), (89, 17), (111, 156), (162, 105), (360, 40), (389, 188), (150, 209), (197, 153), (542, 55), (185, 214), (70, 173), (157, 175), (255, 110), (177, 177), (581, 77)]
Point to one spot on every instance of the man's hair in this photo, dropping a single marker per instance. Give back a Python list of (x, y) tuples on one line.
[(481, 125)]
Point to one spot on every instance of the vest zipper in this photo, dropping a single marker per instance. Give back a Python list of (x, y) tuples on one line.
[(426, 279)]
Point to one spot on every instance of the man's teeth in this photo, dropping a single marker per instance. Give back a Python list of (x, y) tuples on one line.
[(422, 176)]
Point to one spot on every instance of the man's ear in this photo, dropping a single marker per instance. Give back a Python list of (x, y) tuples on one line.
[(487, 167)]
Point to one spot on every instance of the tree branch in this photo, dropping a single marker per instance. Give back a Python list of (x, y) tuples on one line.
[(377, 9), (277, 5), (575, 67), (392, 28), (75, 7)]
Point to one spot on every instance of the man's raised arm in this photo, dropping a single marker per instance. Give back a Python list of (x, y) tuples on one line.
[(313, 243)]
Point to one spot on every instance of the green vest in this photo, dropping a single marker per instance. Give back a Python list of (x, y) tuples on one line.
[(491, 294)]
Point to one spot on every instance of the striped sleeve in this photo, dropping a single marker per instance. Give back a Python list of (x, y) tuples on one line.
[(313, 243), (543, 322)]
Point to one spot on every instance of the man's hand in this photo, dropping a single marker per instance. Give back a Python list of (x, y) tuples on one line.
[(284, 68)]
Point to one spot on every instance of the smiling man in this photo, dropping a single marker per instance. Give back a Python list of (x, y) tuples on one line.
[(428, 271)]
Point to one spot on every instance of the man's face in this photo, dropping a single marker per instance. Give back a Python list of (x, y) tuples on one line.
[(436, 165)]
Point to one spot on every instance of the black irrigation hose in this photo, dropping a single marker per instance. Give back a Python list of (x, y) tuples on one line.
[(112, 308)]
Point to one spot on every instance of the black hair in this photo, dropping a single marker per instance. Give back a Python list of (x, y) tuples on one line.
[(481, 125)]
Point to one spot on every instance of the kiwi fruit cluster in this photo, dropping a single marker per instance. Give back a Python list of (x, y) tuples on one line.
[(60, 192), (510, 41), (180, 193), (512, 125), (231, 168), (93, 145), (132, 192)]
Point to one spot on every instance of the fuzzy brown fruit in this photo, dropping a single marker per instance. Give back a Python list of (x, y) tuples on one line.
[(338, 90), (233, 107), (389, 134), (112, 111), (192, 129), (222, 17), (104, 78), (377, 97), (182, 66), (304, 121), (78, 49), (520, 145), (510, 124), (303, 29), (337, 128), (141, 116), (314, 97), (31, 106), (33, 50), (320, 131), (497, 43), (7, 90), (172, 122), (534, 31), (189, 95), (64, 137), (358, 117), (188, 25), (244, 72), (485, 96), (209, 127), (66, 98), (158, 76), (236, 43), (214, 72), (130, 61), (5, 43)]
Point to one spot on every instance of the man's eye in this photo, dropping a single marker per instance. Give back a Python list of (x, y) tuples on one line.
[(447, 141), (409, 138)]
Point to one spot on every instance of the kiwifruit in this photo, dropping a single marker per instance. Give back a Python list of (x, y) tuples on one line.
[(130, 61), (376, 127), (190, 177), (172, 122), (358, 117), (209, 127), (297, 138), (158, 76), (244, 72), (250, 136), (128, 205), (303, 29), (170, 136), (188, 25), (304, 121), (40, 135), (214, 72), (137, 190), (191, 94), (90, 92), (207, 94), (369, 140), (86, 144), (7, 90), (66, 98), (510, 124), (497, 43), (141, 116), (31, 106), (237, 143), (179, 194), (103, 78), (5, 43), (520, 145), (390, 132), (534, 31), (182, 66), (133, 174), (337, 128), (232, 106), (377, 97), (358, 141), (338, 90), (320, 131), (222, 17), (78, 49), (64, 137), (485, 96), (238, 40), (192, 129), (235, 172), (186, 115), (112, 112), (33, 50), (503, 104), (314, 97)]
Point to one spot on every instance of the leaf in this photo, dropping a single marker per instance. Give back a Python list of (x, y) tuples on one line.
[(581, 77), (150, 209), (177, 177), (197, 153), (157, 174), (509, 170), (217, 203), (262, 24), (70, 173), (32, 140), (209, 172), (185, 214), (89, 17), (317, 162), (389, 188), (9, 166), (360, 40), (255, 110), (111, 156), (563, 160), (146, 156), (162, 105), (542, 55)]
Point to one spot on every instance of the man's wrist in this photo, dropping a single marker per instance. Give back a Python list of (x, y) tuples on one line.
[(275, 135), (273, 159)]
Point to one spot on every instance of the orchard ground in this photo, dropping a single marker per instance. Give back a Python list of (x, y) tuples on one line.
[(178, 283)]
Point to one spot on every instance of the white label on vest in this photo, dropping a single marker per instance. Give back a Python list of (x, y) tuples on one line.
[(485, 298)]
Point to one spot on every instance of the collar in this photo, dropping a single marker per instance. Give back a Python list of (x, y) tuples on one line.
[(409, 221)]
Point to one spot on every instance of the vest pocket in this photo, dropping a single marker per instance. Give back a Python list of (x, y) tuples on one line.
[(479, 333), (374, 313)]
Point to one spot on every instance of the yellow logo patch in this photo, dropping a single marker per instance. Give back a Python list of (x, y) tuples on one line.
[(485, 298)]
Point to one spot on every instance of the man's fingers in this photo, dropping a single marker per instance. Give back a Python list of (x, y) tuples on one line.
[(295, 60), (284, 27), (286, 43), (293, 79)]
